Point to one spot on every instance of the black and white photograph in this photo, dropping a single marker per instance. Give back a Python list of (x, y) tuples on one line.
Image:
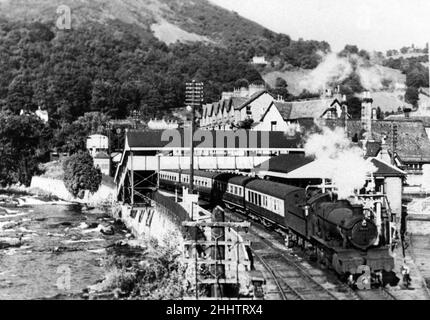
[(241, 152)]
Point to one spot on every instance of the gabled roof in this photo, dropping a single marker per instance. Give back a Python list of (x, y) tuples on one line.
[(302, 109), (229, 104), (385, 169), (216, 108), (237, 102), (254, 97), (372, 148), (210, 109), (206, 109), (101, 155), (266, 112), (225, 104)]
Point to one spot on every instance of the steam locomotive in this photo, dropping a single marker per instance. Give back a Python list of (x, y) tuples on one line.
[(344, 236)]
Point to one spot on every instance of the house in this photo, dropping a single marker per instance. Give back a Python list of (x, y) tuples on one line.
[(97, 143), (42, 114), (234, 108), (103, 162), (259, 60), (280, 114), (256, 109)]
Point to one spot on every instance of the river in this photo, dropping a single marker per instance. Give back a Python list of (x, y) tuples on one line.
[(58, 249)]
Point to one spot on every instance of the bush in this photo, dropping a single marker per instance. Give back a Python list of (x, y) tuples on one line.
[(80, 174), (152, 272)]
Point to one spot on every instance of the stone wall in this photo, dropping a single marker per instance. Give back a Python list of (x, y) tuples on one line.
[(150, 222)]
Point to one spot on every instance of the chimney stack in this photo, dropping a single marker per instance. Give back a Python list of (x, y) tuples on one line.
[(366, 114)]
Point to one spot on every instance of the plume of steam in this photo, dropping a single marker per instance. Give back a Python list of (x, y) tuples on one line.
[(343, 161), (331, 69), (334, 70), (292, 129)]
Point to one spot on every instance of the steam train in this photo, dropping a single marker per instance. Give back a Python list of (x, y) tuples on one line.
[(345, 236)]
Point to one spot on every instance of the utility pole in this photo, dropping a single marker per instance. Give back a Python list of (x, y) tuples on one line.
[(393, 142), (193, 99)]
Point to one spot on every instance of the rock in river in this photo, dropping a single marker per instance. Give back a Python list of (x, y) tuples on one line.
[(108, 231)]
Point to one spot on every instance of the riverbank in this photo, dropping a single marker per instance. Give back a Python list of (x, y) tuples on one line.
[(49, 187), (52, 249)]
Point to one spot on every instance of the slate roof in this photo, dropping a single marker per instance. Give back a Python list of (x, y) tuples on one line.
[(401, 117), (285, 163), (251, 99), (101, 155), (413, 143), (386, 169), (314, 108)]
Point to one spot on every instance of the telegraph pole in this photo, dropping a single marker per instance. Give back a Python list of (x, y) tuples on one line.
[(194, 98), (394, 142)]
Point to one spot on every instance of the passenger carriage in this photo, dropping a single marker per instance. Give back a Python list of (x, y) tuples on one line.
[(169, 179), (277, 202), (234, 197)]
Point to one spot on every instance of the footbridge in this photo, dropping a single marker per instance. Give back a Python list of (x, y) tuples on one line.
[(147, 152)]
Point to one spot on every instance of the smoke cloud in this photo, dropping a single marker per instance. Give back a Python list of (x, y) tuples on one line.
[(343, 161), (333, 70)]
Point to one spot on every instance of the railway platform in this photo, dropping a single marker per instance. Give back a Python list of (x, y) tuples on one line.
[(418, 289)]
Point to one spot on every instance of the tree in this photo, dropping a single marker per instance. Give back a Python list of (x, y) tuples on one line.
[(348, 50), (80, 174), (280, 83), (412, 96), (379, 114), (20, 151), (72, 137)]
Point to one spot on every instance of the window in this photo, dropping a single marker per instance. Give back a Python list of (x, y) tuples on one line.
[(273, 126), (248, 110)]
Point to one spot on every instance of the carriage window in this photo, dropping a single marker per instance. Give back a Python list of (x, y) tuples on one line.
[(259, 200)]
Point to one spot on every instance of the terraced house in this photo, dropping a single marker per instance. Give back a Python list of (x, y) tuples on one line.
[(256, 109)]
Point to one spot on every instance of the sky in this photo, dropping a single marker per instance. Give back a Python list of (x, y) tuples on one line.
[(369, 24)]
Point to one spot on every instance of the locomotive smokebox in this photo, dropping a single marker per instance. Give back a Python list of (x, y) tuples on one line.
[(364, 233), (342, 221)]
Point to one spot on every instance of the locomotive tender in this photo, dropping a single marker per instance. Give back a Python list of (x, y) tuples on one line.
[(343, 234)]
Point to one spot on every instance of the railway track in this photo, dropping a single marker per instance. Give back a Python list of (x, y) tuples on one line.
[(309, 288), (291, 280), (376, 294)]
